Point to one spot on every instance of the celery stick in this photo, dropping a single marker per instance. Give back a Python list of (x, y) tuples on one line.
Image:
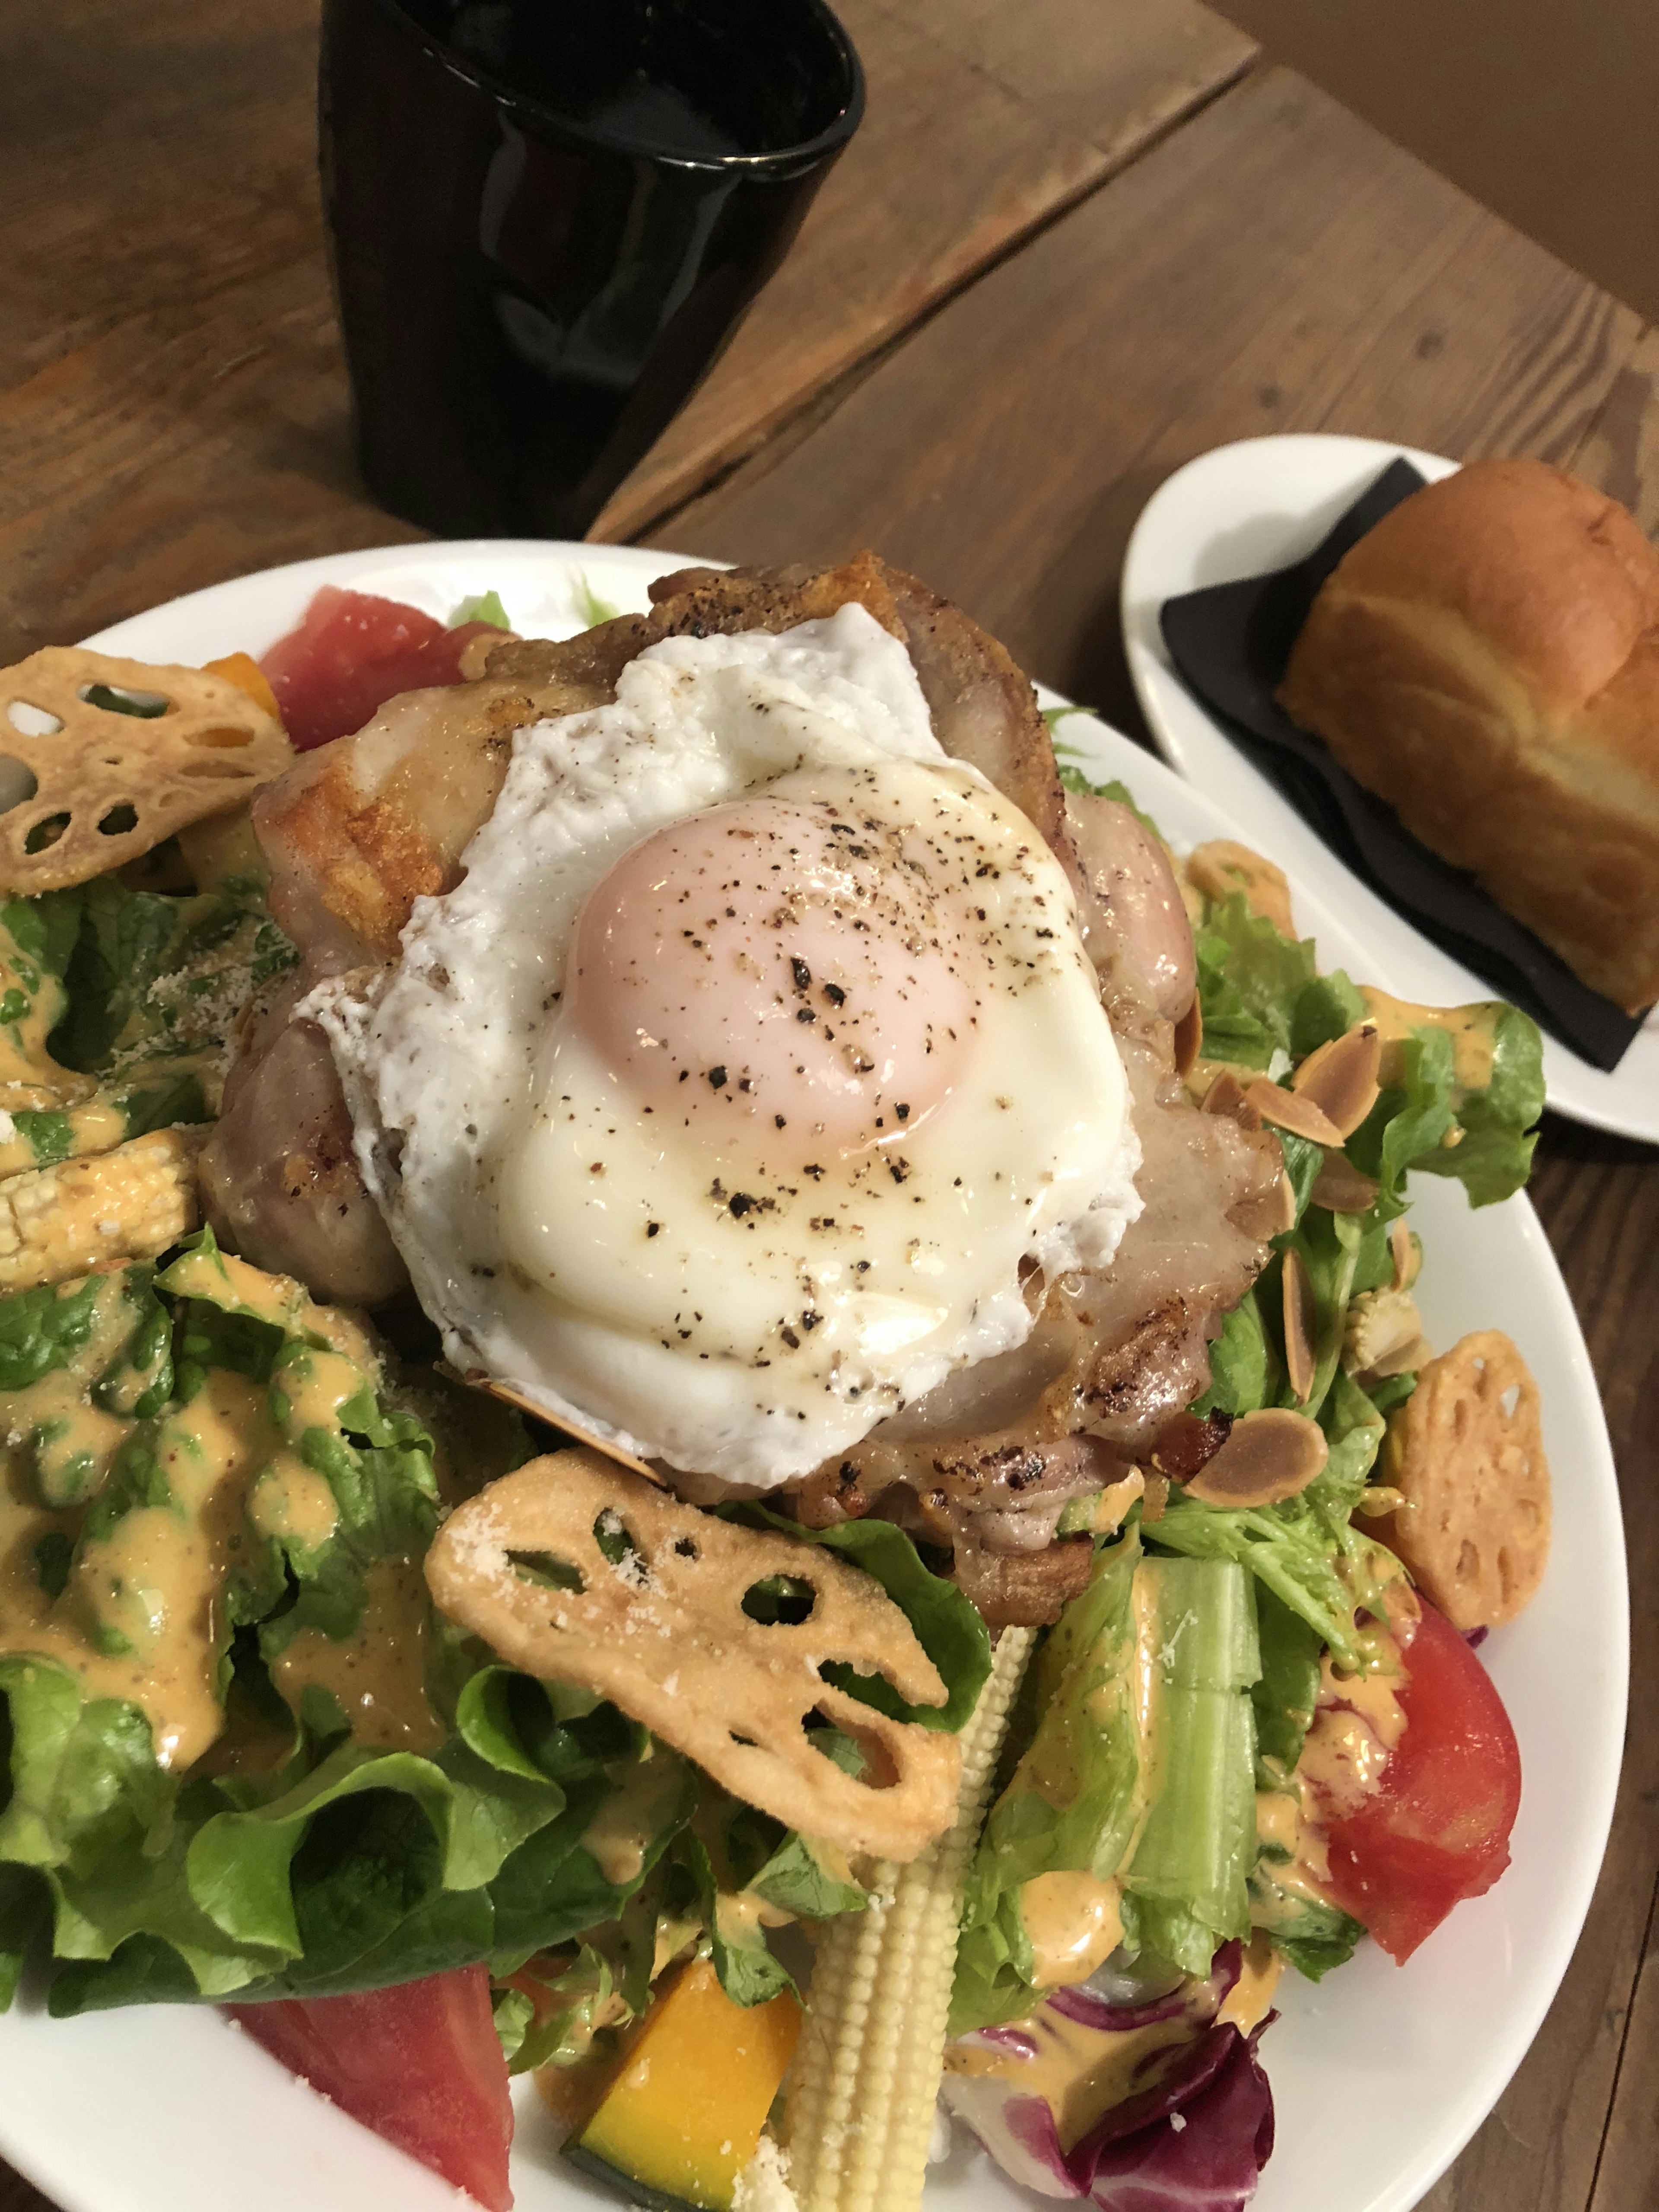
[(1197, 1655)]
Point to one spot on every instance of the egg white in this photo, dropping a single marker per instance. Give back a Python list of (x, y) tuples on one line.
[(520, 1180)]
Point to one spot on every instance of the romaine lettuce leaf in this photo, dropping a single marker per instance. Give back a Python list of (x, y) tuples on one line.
[(1287, 1689), (1073, 1800), (1141, 1770), (1313, 1936), (537, 1817), (137, 989), (1184, 1880)]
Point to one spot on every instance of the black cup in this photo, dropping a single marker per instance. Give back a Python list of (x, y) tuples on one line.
[(548, 217)]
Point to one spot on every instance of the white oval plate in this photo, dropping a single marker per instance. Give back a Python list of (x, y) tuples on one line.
[(1239, 511), (1380, 2075)]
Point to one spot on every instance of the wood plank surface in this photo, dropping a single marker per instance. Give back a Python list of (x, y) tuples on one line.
[(983, 121), (172, 402), (1272, 265), (1277, 265)]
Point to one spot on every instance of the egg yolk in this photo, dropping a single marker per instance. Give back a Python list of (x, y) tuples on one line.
[(793, 966)]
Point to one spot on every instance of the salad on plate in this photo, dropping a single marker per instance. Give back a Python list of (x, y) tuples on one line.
[(712, 1390)]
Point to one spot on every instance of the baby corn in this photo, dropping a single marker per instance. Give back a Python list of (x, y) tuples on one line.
[(866, 2078), (86, 1216)]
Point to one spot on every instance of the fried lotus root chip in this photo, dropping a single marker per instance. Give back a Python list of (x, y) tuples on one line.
[(110, 785), (1466, 1455), (658, 1626)]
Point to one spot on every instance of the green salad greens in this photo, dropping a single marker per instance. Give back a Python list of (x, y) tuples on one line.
[(117, 1008), (218, 1498), (1185, 1677)]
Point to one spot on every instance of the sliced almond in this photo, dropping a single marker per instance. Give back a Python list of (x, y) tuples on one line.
[(1226, 1095), (1188, 1038), (1271, 1456), (1285, 1109), (1340, 1188), (1407, 1254), (1301, 1361), (1342, 1078)]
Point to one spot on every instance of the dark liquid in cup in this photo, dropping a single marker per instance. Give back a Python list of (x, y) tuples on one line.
[(547, 216)]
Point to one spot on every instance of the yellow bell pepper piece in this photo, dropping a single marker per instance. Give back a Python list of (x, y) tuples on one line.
[(242, 670), (685, 2114)]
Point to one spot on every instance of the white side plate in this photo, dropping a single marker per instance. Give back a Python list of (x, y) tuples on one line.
[(1380, 2075), (1242, 510)]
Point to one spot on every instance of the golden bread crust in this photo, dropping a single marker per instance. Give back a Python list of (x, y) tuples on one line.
[(1487, 661)]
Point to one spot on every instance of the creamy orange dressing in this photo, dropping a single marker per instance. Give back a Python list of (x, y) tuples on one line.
[(1356, 1724), (224, 1280), (140, 1617), (378, 1676), (1074, 1924), (1078, 2071), (617, 1835), (1247, 2003), (64, 1394), (29, 1077), (293, 1503), (316, 1385), (1471, 1029), (73, 1441)]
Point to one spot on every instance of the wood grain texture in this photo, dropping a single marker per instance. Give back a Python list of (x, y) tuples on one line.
[(1276, 266), (983, 121), (172, 401), (1620, 451)]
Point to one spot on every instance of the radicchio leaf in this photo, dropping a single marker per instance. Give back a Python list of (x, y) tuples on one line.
[(1018, 2130), (1203, 2154)]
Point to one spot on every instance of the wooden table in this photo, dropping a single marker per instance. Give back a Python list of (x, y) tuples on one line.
[(1073, 246)]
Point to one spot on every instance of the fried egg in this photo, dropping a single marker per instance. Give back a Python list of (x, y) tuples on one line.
[(754, 1069)]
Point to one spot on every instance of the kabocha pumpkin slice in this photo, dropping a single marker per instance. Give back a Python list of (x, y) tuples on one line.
[(684, 2116)]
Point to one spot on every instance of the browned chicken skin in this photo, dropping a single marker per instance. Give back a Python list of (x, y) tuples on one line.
[(361, 827)]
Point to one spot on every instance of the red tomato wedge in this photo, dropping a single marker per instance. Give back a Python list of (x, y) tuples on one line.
[(1438, 1828), (352, 653), (421, 2064)]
